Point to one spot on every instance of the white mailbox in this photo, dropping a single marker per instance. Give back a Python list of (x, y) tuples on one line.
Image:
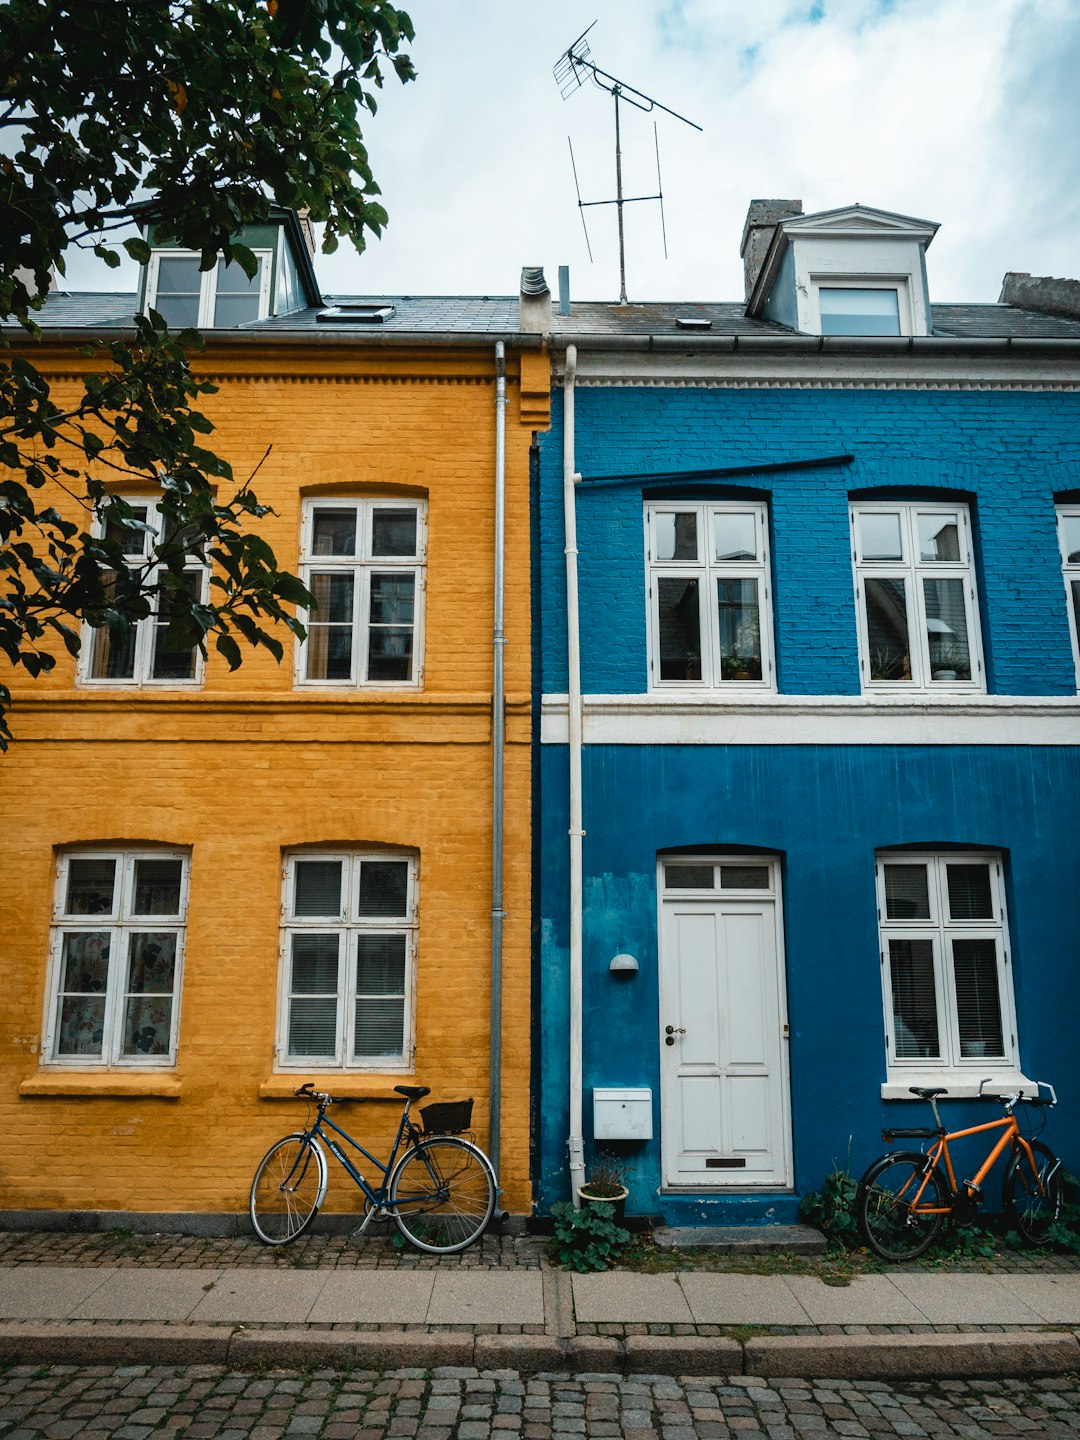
[(622, 1114)]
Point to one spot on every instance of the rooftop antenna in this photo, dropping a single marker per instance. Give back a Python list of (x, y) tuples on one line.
[(571, 70)]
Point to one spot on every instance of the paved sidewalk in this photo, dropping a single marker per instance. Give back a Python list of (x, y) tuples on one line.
[(682, 1322)]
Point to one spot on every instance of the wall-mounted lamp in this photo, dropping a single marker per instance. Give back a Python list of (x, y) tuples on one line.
[(623, 965)]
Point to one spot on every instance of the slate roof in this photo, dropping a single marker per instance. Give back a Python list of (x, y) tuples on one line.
[(497, 315)]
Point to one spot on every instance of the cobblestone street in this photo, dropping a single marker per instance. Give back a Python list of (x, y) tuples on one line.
[(206, 1402)]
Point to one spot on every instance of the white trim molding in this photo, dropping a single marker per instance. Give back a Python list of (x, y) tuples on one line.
[(766, 719)]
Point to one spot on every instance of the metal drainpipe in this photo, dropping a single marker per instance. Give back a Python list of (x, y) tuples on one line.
[(575, 1142), (498, 738)]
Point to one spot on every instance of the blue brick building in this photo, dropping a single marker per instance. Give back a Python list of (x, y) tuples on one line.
[(805, 807)]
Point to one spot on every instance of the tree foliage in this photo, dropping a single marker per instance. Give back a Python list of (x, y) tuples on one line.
[(195, 116)]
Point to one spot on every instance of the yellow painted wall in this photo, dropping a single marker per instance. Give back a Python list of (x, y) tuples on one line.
[(247, 767)]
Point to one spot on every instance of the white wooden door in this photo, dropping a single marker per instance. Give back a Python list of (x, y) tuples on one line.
[(723, 1070)]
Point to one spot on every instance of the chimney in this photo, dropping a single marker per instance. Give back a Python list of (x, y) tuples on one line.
[(762, 219), (307, 229), (534, 302), (1041, 293)]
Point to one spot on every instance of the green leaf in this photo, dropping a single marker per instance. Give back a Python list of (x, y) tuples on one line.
[(228, 647), (138, 250)]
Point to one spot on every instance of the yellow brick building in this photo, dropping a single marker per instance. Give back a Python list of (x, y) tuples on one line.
[(201, 821)]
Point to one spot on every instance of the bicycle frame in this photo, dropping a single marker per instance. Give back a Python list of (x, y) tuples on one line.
[(1010, 1139), (378, 1200)]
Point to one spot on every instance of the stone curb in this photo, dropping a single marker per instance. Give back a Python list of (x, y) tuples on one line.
[(911, 1357), (863, 1357)]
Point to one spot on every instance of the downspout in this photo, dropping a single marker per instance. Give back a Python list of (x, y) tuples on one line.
[(575, 1142), (498, 740)]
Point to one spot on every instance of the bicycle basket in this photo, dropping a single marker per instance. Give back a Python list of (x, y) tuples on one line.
[(447, 1117)]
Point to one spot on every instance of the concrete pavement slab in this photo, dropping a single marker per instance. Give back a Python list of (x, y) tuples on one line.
[(1056, 1298), (868, 1300), (741, 1300), (282, 1296), (620, 1296), (464, 1297), (147, 1295), (46, 1292), (380, 1297), (965, 1300)]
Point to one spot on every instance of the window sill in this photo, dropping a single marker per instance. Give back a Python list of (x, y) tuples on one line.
[(106, 1085), (963, 1085), (350, 1086)]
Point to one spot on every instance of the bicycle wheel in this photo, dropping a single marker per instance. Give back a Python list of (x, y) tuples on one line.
[(890, 1221), (287, 1190), (442, 1194), (1033, 1197)]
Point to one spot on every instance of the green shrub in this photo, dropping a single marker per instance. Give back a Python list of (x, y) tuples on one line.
[(586, 1239), (832, 1210)]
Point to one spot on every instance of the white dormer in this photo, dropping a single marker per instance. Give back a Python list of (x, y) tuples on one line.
[(854, 271)]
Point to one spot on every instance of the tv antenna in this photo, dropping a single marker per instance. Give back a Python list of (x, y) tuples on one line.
[(571, 70)]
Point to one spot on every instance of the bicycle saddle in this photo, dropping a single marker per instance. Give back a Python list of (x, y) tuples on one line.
[(412, 1092), (927, 1094)]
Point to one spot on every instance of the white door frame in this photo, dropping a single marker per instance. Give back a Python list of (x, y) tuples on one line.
[(722, 1181)]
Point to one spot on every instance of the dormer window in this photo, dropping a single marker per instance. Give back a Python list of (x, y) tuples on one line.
[(217, 299), (855, 271), (858, 309)]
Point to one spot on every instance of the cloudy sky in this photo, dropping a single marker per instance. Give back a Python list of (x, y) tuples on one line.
[(966, 112)]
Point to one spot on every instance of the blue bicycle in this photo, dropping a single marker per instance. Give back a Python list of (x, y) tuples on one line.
[(440, 1190)]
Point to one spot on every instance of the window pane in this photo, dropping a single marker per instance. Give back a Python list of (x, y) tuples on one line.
[(740, 635), (148, 1025), (887, 629), (238, 298), (676, 537), (172, 662), (879, 535), (313, 1028), (744, 877), (939, 537), (680, 629), (178, 274), (734, 536), (85, 962), (157, 887), (330, 628), (112, 651), (907, 894), (946, 629), (689, 877), (333, 532), (1070, 531), (380, 1028), (333, 593), (132, 541), (390, 637), (380, 964), (152, 963), (314, 965), (90, 887), (978, 1004), (970, 894), (1075, 588), (914, 999), (82, 1025), (393, 532), (852, 311), (317, 889), (384, 887)]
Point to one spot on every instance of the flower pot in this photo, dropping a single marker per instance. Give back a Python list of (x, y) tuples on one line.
[(618, 1201)]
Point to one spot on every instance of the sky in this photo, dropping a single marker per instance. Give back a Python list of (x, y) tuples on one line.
[(964, 112)]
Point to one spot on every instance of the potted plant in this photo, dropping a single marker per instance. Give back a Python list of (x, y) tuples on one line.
[(604, 1184), (950, 663)]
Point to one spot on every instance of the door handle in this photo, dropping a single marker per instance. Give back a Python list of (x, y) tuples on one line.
[(671, 1031)]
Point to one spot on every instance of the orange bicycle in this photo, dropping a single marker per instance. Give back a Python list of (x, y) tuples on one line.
[(904, 1197)]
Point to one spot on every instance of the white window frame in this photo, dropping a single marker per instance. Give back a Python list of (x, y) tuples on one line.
[(707, 571), (900, 284), (962, 1074), (347, 925), (363, 565), (913, 571), (208, 283), (119, 923), (146, 629), (1070, 571)]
